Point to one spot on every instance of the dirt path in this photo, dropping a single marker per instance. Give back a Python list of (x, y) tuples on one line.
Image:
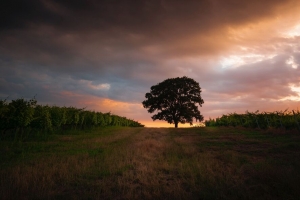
[(155, 157), (145, 178)]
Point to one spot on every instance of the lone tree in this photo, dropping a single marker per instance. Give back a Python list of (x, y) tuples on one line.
[(176, 101)]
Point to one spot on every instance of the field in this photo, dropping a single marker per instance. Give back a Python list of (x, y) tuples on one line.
[(153, 163)]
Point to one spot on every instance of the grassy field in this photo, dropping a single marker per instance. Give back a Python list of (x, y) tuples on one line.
[(152, 163)]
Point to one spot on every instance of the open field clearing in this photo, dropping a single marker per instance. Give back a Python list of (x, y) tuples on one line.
[(153, 163)]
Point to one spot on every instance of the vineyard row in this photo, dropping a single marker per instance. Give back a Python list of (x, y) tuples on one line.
[(262, 120), (20, 114)]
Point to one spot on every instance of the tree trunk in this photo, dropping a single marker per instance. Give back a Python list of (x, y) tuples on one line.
[(176, 124)]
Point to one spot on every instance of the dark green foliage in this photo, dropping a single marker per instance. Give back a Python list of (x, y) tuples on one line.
[(3, 114), (20, 113), (285, 120), (42, 118), (175, 100), (21, 116)]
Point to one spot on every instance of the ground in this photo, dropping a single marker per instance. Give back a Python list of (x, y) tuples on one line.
[(153, 163)]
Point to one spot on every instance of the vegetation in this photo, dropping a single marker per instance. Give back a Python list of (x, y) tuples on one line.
[(175, 100), (20, 118), (114, 162), (284, 120), (150, 163)]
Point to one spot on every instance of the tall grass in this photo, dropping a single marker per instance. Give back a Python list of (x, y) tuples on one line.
[(149, 163)]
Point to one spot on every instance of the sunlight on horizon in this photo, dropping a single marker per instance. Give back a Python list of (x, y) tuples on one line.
[(163, 124)]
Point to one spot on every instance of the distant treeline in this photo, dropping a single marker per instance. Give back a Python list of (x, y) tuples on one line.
[(285, 120), (20, 116)]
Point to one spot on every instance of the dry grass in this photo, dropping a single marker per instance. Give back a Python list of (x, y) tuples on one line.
[(149, 163)]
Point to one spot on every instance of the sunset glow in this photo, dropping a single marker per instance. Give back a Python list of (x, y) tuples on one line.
[(245, 55)]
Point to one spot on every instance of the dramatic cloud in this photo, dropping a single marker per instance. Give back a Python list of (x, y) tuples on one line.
[(105, 55)]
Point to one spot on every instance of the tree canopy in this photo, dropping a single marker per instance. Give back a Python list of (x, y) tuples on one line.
[(176, 101)]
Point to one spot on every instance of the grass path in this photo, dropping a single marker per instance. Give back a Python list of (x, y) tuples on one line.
[(152, 163)]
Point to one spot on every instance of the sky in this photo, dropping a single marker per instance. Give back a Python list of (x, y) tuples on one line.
[(105, 55)]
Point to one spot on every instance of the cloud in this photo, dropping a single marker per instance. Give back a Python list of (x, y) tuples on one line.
[(244, 54), (94, 86)]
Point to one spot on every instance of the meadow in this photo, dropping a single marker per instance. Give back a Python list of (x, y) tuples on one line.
[(153, 163)]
